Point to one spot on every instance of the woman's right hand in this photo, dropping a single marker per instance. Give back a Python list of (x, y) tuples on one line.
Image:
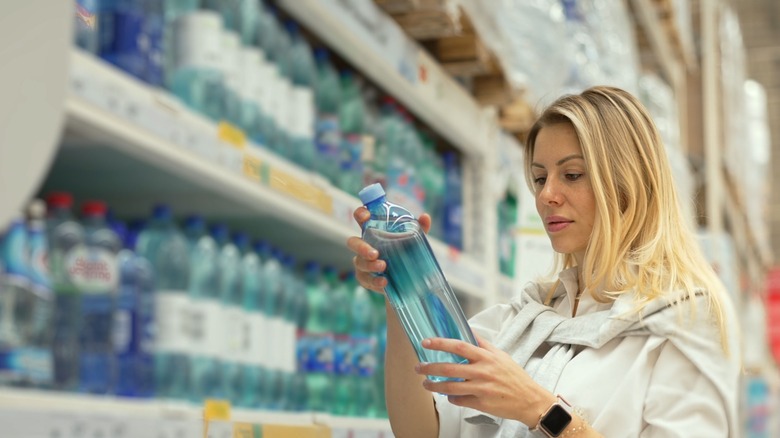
[(366, 260)]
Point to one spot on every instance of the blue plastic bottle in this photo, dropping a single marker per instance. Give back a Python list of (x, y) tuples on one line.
[(419, 293), (254, 370), (66, 245), (205, 311), (343, 382), (294, 306), (163, 244), (452, 220), (327, 130), (273, 308), (13, 287), (133, 320), (122, 42), (364, 349), (98, 276)]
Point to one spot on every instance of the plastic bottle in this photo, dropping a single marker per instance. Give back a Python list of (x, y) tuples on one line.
[(205, 311), (229, 65), (164, 245), (197, 77), (343, 382), (86, 24), (452, 219), (364, 349), (229, 265), (158, 34), (422, 299), (272, 272), (319, 340), (253, 386), (240, 16), (294, 382), (327, 130), (251, 88), (66, 244), (98, 278), (133, 335), (37, 306), (121, 35)]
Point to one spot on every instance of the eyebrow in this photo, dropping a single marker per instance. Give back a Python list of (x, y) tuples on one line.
[(562, 160)]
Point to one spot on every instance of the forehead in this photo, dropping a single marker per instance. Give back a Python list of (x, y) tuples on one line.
[(559, 139)]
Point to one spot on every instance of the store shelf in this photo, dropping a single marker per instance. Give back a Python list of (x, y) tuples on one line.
[(379, 49), (133, 146), (34, 413)]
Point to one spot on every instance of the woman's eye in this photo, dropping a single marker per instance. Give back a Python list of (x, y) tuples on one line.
[(540, 180), (573, 176)]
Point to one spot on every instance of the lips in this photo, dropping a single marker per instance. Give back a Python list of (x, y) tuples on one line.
[(556, 223)]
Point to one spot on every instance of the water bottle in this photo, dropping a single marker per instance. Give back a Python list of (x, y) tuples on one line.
[(86, 24), (343, 388), (251, 88), (364, 349), (294, 381), (66, 245), (122, 42), (197, 77), (319, 340), (232, 314), (272, 307), (229, 66), (254, 362), (163, 244), (452, 220), (205, 311), (14, 286), (133, 335), (240, 16), (419, 294), (327, 130), (98, 276)]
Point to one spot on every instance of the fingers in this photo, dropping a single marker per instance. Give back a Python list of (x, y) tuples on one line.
[(425, 222), (361, 248), (361, 215), (371, 281), (486, 345), (463, 349)]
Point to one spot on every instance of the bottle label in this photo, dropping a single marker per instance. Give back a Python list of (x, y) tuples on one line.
[(206, 327), (343, 360), (26, 365), (92, 270), (122, 331), (290, 347), (258, 338), (197, 44), (172, 320), (320, 353), (235, 334), (364, 355), (276, 345)]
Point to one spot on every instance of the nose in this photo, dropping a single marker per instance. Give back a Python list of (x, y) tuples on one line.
[(550, 193)]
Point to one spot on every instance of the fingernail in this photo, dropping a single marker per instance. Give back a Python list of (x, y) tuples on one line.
[(373, 253), (417, 368), (426, 343)]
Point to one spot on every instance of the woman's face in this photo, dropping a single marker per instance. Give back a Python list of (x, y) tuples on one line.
[(564, 196)]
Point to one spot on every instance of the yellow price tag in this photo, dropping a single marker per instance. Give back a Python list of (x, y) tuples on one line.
[(244, 430), (300, 190), (216, 410), (252, 167), (232, 135)]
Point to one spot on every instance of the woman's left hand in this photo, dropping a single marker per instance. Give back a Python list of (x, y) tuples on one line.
[(492, 382)]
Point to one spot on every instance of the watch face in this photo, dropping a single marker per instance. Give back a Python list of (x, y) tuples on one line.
[(556, 420)]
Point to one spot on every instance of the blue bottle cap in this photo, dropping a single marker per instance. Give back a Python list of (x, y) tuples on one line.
[(312, 266), (321, 54), (261, 247), (219, 232), (194, 221), (162, 211), (371, 193), (240, 239)]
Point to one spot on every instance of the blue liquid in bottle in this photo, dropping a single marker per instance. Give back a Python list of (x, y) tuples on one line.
[(422, 299)]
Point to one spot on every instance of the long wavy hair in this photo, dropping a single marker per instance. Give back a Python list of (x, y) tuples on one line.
[(640, 242)]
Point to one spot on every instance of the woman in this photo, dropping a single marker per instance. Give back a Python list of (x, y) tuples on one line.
[(636, 333)]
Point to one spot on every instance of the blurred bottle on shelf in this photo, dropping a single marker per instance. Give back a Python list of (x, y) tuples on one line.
[(365, 324), (229, 265), (164, 245), (327, 132), (302, 71), (133, 328), (205, 311), (274, 396), (97, 275), (86, 24), (452, 219), (295, 383), (255, 362), (66, 246), (318, 340), (343, 381), (197, 77)]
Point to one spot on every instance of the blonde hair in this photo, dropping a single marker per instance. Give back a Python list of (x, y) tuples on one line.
[(640, 242)]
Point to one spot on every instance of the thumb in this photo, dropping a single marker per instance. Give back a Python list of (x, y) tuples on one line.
[(425, 222)]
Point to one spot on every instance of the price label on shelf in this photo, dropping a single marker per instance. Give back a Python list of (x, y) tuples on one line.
[(252, 167), (300, 190), (232, 135)]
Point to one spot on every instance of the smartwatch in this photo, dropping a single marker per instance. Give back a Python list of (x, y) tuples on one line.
[(554, 421)]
